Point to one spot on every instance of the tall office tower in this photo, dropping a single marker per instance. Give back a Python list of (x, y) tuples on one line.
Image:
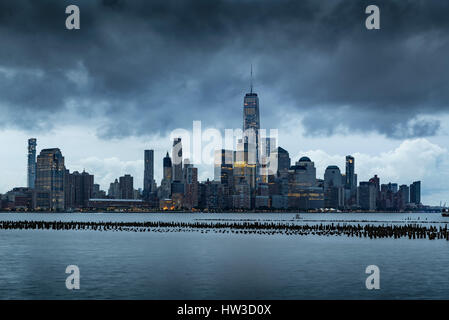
[(31, 162), (177, 159), (404, 196), (148, 175), (350, 183), (50, 172), (168, 173), (415, 192), (333, 188), (251, 121), (164, 191), (332, 177), (126, 187)]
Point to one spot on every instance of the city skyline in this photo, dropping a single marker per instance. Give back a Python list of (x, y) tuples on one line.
[(325, 82), (256, 173), (159, 168)]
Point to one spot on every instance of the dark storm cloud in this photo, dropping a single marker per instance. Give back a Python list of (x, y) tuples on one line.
[(144, 67)]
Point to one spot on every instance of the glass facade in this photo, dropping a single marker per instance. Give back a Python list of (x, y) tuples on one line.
[(50, 172), (31, 163)]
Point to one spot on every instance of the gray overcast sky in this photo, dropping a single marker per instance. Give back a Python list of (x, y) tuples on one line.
[(138, 69)]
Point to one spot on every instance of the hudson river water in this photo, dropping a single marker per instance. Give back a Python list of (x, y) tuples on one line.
[(196, 265)]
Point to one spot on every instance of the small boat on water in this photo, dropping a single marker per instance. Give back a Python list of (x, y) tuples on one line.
[(445, 213), (298, 216)]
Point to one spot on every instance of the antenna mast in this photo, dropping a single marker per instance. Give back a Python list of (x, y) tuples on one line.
[(251, 78)]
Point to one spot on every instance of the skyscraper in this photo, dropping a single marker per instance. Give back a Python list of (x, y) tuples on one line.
[(78, 189), (148, 175), (281, 161), (251, 118), (167, 174), (50, 171), (415, 192), (177, 159), (367, 196), (404, 196), (126, 187), (333, 188), (164, 191), (31, 163), (251, 122), (350, 166)]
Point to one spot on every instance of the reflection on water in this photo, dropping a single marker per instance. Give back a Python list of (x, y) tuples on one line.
[(220, 266)]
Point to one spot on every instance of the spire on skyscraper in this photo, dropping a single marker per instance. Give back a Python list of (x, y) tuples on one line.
[(251, 82)]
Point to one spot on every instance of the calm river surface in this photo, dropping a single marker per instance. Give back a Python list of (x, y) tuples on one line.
[(195, 265)]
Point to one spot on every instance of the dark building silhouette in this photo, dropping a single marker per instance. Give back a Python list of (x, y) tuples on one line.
[(148, 175), (415, 192), (79, 188), (282, 158), (367, 196), (126, 187)]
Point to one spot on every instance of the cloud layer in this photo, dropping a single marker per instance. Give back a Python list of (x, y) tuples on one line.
[(147, 67), (412, 160)]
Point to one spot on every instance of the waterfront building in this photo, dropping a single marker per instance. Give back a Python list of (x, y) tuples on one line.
[(31, 176), (126, 187), (148, 175), (367, 196), (78, 189), (117, 204), (404, 196), (333, 188), (21, 199), (50, 171), (415, 192), (351, 189), (350, 182)]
